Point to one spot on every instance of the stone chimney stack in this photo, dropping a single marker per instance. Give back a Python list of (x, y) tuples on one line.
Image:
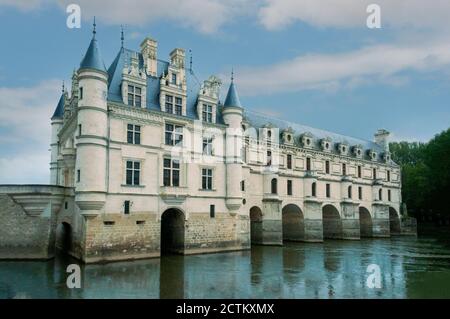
[(177, 57), (149, 50), (382, 139)]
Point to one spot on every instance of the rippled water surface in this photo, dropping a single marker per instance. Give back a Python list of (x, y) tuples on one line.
[(410, 268)]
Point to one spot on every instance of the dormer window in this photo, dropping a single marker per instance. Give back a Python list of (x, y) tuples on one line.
[(372, 155), (287, 136), (134, 96), (207, 113), (174, 78), (387, 157), (343, 149), (169, 104), (326, 144), (269, 134), (306, 140), (357, 151), (178, 106)]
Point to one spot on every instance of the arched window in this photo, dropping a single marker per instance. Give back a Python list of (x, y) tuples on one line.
[(273, 186), (349, 192), (380, 194), (313, 189)]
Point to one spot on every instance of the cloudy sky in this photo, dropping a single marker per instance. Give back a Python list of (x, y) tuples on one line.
[(309, 61)]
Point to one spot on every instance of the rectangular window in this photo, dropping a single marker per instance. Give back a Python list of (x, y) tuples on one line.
[(327, 167), (134, 96), (174, 78), (308, 163), (126, 207), (359, 172), (289, 161), (81, 93), (328, 190), (388, 176), (171, 172), (344, 169), (389, 195), (212, 211), (289, 187), (207, 113), (169, 104), (178, 106), (174, 135), (243, 186), (78, 175), (133, 134), (374, 173), (207, 179), (207, 146), (133, 172), (269, 158), (360, 192)]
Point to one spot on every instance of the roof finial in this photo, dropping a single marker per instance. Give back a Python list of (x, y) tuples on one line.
[(232, 75), (190, 60), (63, 87), (94, 31), (122, 38)]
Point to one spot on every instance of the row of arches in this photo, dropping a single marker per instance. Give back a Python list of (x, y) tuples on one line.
[(293, 223), (293, 227)]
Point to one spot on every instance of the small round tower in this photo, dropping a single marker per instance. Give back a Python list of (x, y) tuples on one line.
[(92, 132), (232, 116)]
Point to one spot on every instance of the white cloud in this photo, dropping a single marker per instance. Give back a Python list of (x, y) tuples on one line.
[(23, 5), (25, 131), (416, 14), (379, 63), (203, 15)]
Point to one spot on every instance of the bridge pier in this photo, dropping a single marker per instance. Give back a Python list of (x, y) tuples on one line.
[(350, 220)]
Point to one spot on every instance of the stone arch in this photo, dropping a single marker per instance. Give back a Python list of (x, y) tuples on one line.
[(293, 223), (64, 238), (394, 222), (365, 222), (172, 231), (332, 223), (256, 230)]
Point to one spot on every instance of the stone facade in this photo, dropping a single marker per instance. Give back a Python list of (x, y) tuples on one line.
[(151, 163)]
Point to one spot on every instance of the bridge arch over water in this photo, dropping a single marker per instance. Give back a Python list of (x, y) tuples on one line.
[(331, 222), (293, 223)]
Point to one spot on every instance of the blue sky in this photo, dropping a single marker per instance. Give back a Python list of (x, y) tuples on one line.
[(312, 62)]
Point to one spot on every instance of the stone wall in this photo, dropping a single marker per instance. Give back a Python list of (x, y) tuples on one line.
[(205, 234), (23, 236), (120, 237)]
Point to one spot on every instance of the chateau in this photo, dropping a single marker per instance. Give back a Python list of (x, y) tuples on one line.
[(146, 159)]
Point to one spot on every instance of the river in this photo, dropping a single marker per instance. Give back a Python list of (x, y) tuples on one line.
[(409, 268)]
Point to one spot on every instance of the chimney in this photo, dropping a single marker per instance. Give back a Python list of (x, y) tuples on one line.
[(149, 49), (177, 58), (382, 139)]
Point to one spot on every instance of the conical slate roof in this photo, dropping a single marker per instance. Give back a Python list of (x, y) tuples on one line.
[(232, 98), (93, 59), (59, 111)]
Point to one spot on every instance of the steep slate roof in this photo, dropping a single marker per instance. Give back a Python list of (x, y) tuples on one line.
[(258, 120), (59, 111), (93, 59), (232, 98), (153, 84), (193, 86)]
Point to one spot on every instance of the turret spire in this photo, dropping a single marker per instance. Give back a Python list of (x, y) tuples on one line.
[(94, 31), (122, 38), (232, 98), (92, 59)]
